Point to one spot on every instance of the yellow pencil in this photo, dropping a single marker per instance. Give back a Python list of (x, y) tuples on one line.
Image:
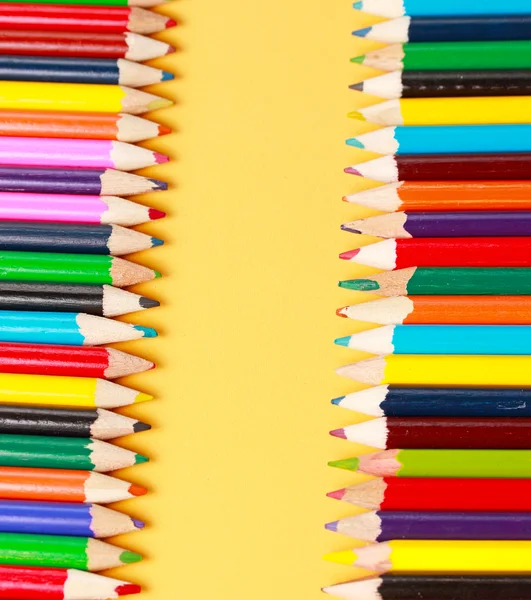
[(439, 556), (66, 391), (448, 111), (427, 369), (76, 97)]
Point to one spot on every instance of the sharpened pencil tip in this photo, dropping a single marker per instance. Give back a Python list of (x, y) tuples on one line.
[(355, 143), (127, 557), (156, 242), (159, 185), (350, 464), (358, 59), (362, 32), (352, 171), (164, 130), (349, 228), (137, 490), (128, 588), (139, 524), (342, 341), (357, 86), (157, 274), (342, 312), (355, 114), (337, 401), (338, 433), (332, 526), (358, 5), (141, 459), (350, 254), (159, 103), (155, 214), (141, 397), (148, 302), (171, 23), (337, 494), (141, 426), (345, 557), (161, 158), (147, 332), (166, 76), (360, 285)]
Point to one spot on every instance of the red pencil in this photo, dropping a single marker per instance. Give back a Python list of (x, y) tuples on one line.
[(35, 583), (444, 252), (72, 361), (440, 432), (439, 494), (87, 19)]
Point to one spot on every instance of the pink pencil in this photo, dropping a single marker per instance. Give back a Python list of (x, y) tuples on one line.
[(89, 154), (64, 208)]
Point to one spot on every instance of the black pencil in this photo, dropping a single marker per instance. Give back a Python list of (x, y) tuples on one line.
[(96, 423), (101, 300), (23, 236), (445, 84)]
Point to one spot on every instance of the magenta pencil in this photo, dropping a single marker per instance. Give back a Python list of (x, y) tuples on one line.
[(91, 154), (65, 208)]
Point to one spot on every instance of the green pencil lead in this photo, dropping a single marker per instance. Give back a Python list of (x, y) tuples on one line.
[(350, 464)]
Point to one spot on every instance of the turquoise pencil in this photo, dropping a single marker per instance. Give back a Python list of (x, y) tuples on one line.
[(67, 329), (442, 339)]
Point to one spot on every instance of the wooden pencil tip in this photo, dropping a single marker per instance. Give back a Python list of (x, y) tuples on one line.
[(350, 254), (337, 494), (342, 312), (339, 433)]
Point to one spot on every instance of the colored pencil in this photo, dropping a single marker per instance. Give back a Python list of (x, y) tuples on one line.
[(448, 8), (75, 238), (56, 485), (446, 139), (382, 526), (81, 454), (64, 552), (28, 583), (51, 390), (77, 97), (449, 56), (74, 361), (441, 463), (420, 310), (99, 126), (439, 556), (64, 208), (443, 167), (144, 3), (477, 281), (101, 300), (433, 587), (444, 494), (446, 196), (86, 182), (442, 339), (67, 328), (72, 268), (86, 19), (445, 251), (86, 154), (474, 433), (131, 46), (399, 401), (71, 70), (448, 111), (96, 423), (449, 29), (447, 84), (444, 224)]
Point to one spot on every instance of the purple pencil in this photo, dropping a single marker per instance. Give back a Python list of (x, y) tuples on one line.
[(93, 182), (444, 224), (383, 526)]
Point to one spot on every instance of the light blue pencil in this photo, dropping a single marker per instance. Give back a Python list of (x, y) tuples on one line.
[(68, 329), (446, 139), (442, 339), (444, 8)]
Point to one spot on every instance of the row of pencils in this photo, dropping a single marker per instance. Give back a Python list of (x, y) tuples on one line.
[(70, 108), (447, 512)]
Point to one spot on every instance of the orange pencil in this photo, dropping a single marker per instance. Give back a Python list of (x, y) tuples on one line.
[(446, 196), (95, 126), (444, 310), (57, 485)]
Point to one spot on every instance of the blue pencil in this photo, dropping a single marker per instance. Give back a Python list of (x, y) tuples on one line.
[(446, 139), (442, 339), (445, 8), (449, 29), (400, 401), (66, 329), (64, 518)]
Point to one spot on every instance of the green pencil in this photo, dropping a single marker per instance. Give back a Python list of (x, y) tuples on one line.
[(444, 56), (82, 454), (71, 268), (441, 463), (445, 280), (62, 552)]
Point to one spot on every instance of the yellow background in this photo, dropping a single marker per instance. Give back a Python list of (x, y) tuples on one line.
[(249, 290)]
